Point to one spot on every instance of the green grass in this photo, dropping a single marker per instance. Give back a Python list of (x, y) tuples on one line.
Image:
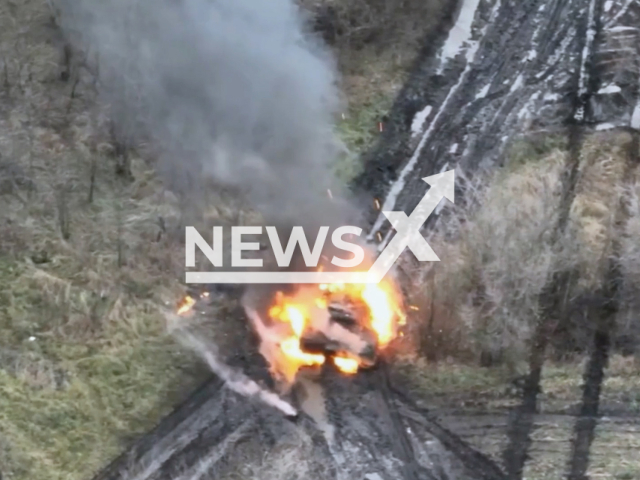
[(61, 395), (535, 148), (359, 131)]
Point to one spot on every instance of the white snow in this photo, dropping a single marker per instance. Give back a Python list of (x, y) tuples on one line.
[(620, 13), (553, 60), (588, 48), (483, 93), (622, 28), (532, 55), (459, 33), (635, 118), (398, 185), (607, 5), (419, 118), (454, 148), (609, 89), (604, 126), (551, 97), (525, 111), (519, 81)]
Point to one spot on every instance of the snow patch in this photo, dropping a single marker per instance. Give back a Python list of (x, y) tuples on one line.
[(525, 111), (419, 119), (609, 89), (604, 126), (635, 118), (459, 33), (483, 93), (453, 149), (622, 28), (519, 81), (553, 60), (398, 185), (620, 13), (551, 97), (607, 5), (588, 48)]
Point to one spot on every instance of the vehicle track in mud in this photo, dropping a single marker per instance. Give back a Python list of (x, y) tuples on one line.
[(517, 74), (565, 67)]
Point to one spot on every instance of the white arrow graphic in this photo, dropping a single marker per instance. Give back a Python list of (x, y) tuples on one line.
[(407, 235), (408, 228)]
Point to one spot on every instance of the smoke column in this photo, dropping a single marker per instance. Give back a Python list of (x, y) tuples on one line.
[(228, 89), (231, 90), (234, 379)]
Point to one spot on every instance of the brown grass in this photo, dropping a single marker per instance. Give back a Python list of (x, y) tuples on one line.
[(89, 259), (499, 253), (87, 262), (375, 42), (628, 321), (474, 402)]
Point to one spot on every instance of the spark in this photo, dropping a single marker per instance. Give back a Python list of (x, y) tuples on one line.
[(185, 305)]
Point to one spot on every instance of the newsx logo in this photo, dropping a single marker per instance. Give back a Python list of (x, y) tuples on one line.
[(407, 235), (283, 256)]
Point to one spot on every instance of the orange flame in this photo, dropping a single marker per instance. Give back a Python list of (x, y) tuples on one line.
[(186, 305), (379, 311), (382, 315), (346, 365)]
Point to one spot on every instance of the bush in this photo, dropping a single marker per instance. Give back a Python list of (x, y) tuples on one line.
[(383, 26), (500, 251)]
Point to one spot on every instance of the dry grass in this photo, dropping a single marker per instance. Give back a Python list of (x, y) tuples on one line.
[(87, 260), (375, 42), (628, 321), (474, 402), (451, 385), (484, 292), (593, 212), (361, 29), (86, 358), (500, 252)]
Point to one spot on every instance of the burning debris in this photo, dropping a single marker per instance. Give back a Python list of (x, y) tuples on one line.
[(348, 325)]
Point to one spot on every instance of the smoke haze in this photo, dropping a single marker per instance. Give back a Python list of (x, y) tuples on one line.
[(234, 379), (228, 89)]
